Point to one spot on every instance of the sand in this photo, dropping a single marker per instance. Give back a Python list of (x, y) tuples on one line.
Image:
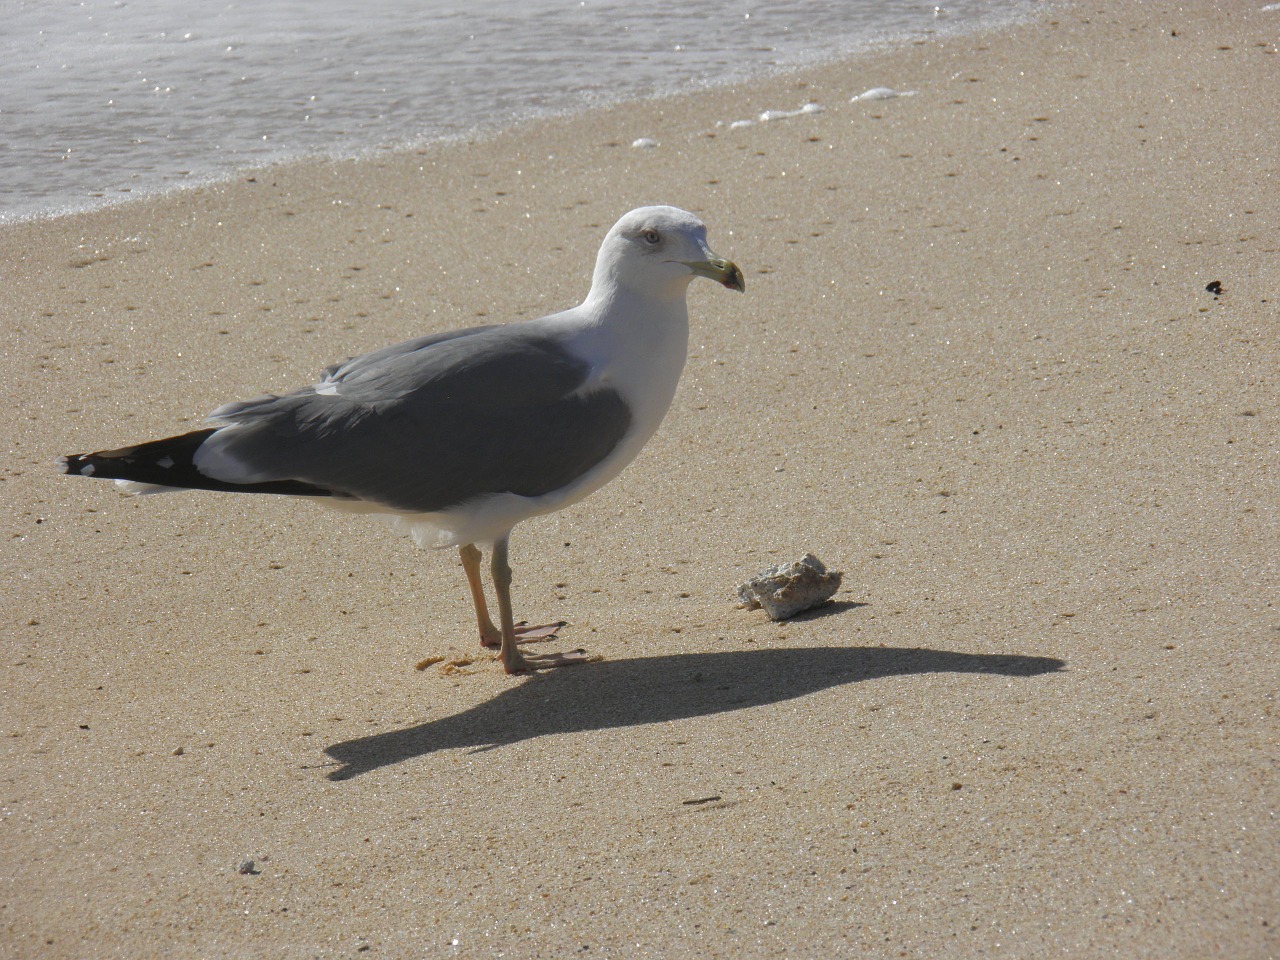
[(976, 369)]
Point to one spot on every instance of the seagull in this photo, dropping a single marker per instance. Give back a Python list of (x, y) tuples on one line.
[(459, 436)]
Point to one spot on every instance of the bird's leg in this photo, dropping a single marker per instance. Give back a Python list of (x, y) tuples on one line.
[(513, 661), (491, 636)]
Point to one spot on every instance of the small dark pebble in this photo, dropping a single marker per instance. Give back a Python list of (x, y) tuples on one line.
[(1214, 287)]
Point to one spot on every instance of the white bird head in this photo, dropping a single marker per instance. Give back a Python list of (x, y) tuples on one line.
[(657, 252)]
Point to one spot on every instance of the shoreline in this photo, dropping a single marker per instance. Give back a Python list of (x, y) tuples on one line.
[(976, 368), (511, 119)]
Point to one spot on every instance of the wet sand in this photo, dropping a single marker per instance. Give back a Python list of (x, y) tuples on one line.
[(976, 368)]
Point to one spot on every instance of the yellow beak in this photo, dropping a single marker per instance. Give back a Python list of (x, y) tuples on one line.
[(720, 270)]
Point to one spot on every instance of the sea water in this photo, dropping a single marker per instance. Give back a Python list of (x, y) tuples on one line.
[(103, 100)]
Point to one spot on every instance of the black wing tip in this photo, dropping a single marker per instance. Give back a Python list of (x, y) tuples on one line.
[(79, 464), (177, 475), (71, 464)]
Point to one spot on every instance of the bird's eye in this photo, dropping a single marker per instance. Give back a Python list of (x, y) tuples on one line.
[(650, 236)]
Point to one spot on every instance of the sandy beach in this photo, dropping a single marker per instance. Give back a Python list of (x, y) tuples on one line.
[(976, 368)]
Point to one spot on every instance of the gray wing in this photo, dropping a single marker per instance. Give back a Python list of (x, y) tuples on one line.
[(437, 421), (352, 368)]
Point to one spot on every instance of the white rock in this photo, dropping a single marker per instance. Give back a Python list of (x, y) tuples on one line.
[(881, 93), (790, 588), (787, 114)]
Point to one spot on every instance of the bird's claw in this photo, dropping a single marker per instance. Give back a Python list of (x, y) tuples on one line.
[(524, 633), (530, 663)]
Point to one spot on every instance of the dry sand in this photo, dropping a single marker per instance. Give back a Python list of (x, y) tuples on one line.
[(976, 368)]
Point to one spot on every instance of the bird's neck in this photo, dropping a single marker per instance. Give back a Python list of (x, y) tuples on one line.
[(607, 287), (639, 344), (647, 316)]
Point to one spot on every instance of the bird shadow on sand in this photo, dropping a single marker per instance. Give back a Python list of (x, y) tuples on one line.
[(625, 693)]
